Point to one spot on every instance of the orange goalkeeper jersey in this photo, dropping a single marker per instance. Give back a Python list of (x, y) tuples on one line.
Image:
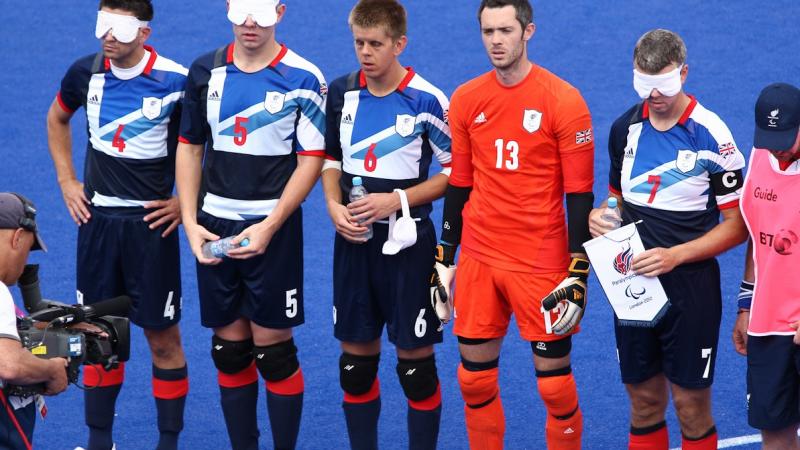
[(521, 148)]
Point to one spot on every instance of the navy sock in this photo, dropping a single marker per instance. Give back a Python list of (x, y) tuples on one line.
[(170, 387), (362, 423), (423, 428), (99, 405), (239, 399), (285, 408)]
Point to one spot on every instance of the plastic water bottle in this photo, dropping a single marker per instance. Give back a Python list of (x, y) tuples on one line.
[(221, 247), (611, 213), (357, 193)]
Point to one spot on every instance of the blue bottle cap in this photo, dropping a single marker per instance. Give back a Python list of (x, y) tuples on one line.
[(245, 242), (357, 181), (612, 202)]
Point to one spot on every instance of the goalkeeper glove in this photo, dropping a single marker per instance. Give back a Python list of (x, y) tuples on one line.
[(572, 294), (441, 284)]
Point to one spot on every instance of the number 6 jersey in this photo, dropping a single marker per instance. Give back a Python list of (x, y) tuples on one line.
[(132, 117), (675, 181)]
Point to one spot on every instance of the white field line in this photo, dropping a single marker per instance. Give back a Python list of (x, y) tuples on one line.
[(736, 441)]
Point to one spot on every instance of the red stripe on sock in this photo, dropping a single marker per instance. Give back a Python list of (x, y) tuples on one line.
[(170, 390), (96, 376), (707, 443), (293, 385), (373, 393), (429, 403), (657, 440), (243, 378)]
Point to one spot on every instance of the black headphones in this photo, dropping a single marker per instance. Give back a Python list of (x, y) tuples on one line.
[(27, 223)]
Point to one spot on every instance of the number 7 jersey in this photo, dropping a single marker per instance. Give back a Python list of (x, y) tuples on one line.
[(675, 181)]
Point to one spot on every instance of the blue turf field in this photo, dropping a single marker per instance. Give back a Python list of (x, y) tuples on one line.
[(735, 47)]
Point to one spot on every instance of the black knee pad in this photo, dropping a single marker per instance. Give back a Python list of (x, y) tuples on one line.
[(231, 357), (552, 349), (277, 362), (358, 373), (418, 377)]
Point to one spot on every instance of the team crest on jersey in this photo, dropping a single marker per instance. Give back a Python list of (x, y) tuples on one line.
[(531, 120), (273, 102), (686, 160), (151, 107), (404, 125)]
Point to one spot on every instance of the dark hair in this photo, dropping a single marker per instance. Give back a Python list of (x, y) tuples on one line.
[(142, 9), (376, 13), (657, 49), (522, 7)]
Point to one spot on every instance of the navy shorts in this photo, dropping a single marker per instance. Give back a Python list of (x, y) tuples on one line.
[(683, 344), (773, 382), (118, 254), (10, 436), (266, 289), (371, 289)]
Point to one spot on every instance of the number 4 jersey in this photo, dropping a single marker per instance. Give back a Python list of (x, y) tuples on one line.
[(132, 118), (674, 181)]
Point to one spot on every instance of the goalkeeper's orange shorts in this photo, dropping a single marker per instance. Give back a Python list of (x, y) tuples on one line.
[(485, 297)]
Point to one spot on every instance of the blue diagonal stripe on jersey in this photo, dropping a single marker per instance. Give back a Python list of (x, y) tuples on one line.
[(390, 144), (673, 176), (140, 126), (438, 137), (264, 118)]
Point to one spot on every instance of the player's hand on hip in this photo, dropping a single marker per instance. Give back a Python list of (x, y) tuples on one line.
[(58, 381), (654, 262), (740, 332), (374, 207), (76, 201), (442, 281), (259, 235), (597, 225), (165, 212), (796, 326), (345, 225), (198, 235), (570, 297)]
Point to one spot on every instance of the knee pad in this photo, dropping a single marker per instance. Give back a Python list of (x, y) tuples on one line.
[(357, 373), (277, 362), (558, 391), (418, 377), (231, 357), (552, 349), (478, 382)]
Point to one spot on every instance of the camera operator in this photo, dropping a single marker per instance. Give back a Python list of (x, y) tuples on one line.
[(18, 236)]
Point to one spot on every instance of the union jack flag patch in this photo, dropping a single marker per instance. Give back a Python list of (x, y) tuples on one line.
[(727, 149), (583, 137)]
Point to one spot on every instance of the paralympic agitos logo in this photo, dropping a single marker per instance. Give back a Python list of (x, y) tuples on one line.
[(634, 293), (622, 262)]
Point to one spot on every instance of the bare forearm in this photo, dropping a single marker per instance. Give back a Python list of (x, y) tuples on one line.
[(749, 264), (297, 189), (59, 140), (188, 171), (428, 190), (726, 235), (21, 367), (330, 185)]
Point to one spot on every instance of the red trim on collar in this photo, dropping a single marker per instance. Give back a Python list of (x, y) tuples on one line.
[(280, 56), (229, 54), (153, 55), (406, 79), (688, 111), (729, 205), (106, 64), (362, 79), (684, 117)]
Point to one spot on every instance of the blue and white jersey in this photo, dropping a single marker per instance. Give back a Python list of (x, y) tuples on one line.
[(254, 125), (675, 181), (132, 117), (388, 141)]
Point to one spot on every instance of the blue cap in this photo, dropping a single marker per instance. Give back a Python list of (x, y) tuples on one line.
[(612, 202), (777, 117), (357, 181)]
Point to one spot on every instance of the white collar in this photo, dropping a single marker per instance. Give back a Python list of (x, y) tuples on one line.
[(131, 72)]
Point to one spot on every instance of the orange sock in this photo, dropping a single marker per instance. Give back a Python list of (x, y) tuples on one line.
[(559, 393), (654, 437), (483, 409), (706, 442)]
